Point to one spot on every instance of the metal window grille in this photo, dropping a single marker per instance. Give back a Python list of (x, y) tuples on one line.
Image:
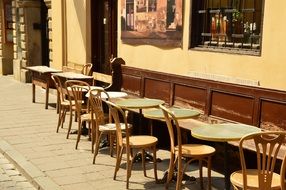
[(232, 26)]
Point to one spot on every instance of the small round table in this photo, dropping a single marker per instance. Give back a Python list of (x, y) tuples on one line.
[(139, 103), (111, 94), (223, 133), (180, 113)]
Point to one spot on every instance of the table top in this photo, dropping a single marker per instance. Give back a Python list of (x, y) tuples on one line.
[(112, 94), (223, 132), (43, 69), (86, 87), (139, 103), (72, 75), (180, 113)]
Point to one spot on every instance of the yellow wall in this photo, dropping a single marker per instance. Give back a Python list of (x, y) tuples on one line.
[(77, 48), (57, 41), (76, 31), (269, 68)]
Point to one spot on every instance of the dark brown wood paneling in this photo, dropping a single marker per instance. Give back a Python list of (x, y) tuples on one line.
[(225, 100), (157, 89), (131, 84), (232, 106), (190, 96), (273, 115)]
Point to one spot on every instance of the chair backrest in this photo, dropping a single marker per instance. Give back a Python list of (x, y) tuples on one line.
[(267, 145), (59, 87), (171, 119), (86, 69), (117, 113), (76, 91), (96, 107)]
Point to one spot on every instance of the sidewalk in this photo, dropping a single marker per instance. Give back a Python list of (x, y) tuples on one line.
[(48, 160)]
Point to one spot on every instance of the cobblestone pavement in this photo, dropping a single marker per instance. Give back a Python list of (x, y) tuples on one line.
[(11, 178), (28, 133)]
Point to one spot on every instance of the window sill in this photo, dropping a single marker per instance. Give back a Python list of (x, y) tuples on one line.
[(237, 51)]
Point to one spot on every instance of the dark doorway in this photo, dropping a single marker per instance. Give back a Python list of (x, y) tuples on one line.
[(45, 34), (103, 34)]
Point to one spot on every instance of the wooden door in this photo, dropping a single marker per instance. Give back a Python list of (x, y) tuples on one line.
[(103, 33)]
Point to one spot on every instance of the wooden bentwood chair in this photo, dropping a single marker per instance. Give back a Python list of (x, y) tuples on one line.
[(141, 142), (64, 105), (100, 126), (202, 153), (263, 177), (76, 90), (87, 69)]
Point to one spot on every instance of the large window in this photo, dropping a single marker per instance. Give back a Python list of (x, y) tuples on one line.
[(232, 26), (8, 23)]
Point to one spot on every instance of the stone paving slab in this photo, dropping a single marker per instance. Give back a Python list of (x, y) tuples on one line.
[(28, 137), (11, 178)]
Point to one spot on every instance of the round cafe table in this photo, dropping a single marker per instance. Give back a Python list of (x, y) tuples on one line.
[(180, 113), (139, 103), (223, 133), (111, 94)]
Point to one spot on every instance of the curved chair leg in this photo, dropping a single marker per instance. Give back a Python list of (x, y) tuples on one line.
[(59, 119), (201, 173), (97, 142), (143, 162), (78, 133), (111, 143), (129, 167), (209, 164), (180, 174), (170, 170), (155, 163), (119, 153), (70, 124), (64, 118)]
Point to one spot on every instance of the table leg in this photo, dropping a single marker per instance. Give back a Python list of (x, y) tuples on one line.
[(33, 92), (226, 167), (47, 96)]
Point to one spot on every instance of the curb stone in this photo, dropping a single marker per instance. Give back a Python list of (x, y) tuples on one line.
[(31, 172)]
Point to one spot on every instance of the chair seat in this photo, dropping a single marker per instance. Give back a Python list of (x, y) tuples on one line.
[(111, 127), (86, 117), (67, 103), (252, 179), (141, 141), (196, 150)]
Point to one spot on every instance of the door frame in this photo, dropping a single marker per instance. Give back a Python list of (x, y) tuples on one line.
[(103, 33)]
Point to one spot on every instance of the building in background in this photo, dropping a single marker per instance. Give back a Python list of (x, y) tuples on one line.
[(230, 63)]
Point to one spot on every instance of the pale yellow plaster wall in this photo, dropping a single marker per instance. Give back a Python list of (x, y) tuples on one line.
[(57, 41), (76, 31), (269, 68)]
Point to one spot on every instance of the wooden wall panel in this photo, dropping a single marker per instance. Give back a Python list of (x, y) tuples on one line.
[(264, 108), (131, 84), (232, 106), (157, 89), (190, 96), (273, 115)]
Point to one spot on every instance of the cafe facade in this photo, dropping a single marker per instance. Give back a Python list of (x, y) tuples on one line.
[(224, 57)]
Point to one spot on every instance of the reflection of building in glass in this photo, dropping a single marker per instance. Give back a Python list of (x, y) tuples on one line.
[(152, 5), (141, 6), (151, 15)]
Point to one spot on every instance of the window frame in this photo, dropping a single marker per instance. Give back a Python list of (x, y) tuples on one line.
[(8, 21), (198, 22)]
